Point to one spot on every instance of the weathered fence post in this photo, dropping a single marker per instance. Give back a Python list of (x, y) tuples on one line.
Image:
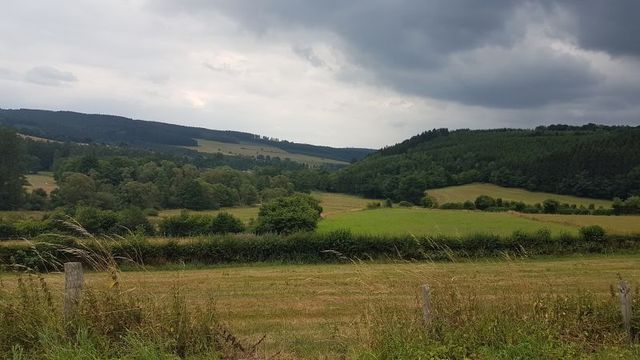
[(625, 306), (73, 281), (426, 304)]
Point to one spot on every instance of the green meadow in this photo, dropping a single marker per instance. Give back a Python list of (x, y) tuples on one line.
[(418, 221), (470, 192)]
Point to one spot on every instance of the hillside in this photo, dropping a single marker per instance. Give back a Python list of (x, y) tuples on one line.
[(87, 128), (589, 161), (258, 151), (469, 192)]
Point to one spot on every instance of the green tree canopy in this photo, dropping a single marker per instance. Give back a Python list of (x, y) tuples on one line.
[(12, 178), (286, 215)]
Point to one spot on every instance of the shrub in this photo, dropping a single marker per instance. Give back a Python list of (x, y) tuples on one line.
[(225, 223), (550, 206), (429, 202), (592, 233), (96, 221), (373, 205), (133, 219), (484, 202), (388, 203), (405, 204), (468, 205), (299, 212), (7, 230), (151, 212), (30, 228), (185, 224), (452, 206)]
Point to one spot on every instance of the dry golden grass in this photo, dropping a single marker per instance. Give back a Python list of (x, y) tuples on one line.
[(43, 180), (470, 192), (210, 146), (335, 204), (311, 311)]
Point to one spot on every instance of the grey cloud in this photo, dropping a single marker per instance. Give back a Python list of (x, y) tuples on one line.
[(609, 26), (503, 78), (50, 76), (308, 54), (423, 47)]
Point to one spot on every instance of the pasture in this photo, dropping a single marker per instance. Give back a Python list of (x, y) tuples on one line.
[(248, 149), (43, 180), (419, 221), (470, 192), (324, 311), (333, 204), (622, 225)]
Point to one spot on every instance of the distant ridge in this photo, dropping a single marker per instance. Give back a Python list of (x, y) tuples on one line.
[(110, 129), (595, 161)]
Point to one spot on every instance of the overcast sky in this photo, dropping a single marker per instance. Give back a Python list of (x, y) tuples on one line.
[(334, 72)]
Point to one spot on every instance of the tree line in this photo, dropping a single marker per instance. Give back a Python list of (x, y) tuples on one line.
[(590, 161)]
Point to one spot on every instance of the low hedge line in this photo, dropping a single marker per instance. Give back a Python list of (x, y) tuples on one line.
[(333, 247)]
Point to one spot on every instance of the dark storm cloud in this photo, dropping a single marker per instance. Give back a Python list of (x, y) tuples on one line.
[(609, 26), (47, 75), (437, 48)]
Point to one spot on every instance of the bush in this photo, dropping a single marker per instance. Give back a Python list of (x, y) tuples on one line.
[(225, 223), (7, 230), (30, 228), (592, 233), (185, 224), (373, 205), (429, 202), (133, 219), (388, 203), (299, 212), (405, 204), (484, 202), (97, 221), (151, 212), (550, 206)]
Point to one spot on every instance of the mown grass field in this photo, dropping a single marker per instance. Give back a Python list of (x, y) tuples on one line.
[(470, 192), (214, 147), (419, 221), (320, 311), (43, 180)]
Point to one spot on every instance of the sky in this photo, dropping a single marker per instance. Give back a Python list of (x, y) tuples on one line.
[(363, 73)]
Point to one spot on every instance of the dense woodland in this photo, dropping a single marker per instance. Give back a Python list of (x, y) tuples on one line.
[(591, 161), (115, 178)]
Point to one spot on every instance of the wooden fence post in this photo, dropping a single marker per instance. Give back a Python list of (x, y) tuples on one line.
[(426, 304), (73, 281), (625, 306)]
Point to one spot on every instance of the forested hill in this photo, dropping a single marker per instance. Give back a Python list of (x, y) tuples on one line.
[(591, 161), (85, 128)]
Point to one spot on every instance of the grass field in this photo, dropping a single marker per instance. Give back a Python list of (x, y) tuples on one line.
[(333, 204), (319, 311), (210, 146), (43, 180), (472, 191), (622, 225), (418, 221), (243, 213)]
